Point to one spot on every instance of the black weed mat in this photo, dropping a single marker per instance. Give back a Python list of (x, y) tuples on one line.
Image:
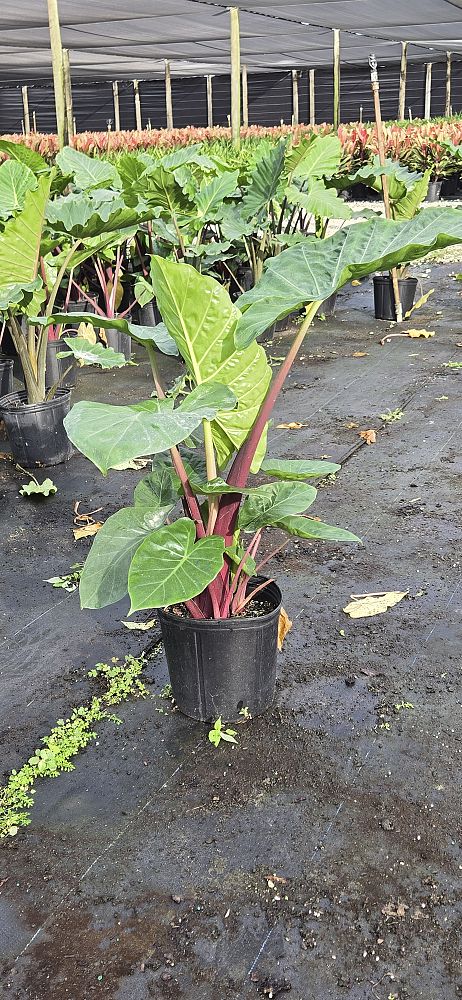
[(319, 858)]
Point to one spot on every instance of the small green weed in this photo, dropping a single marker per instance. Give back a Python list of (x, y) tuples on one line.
[(391, 415), (69, 581), (245, 712), (217, 734), (403, 705), (66, 739), (452, 364)]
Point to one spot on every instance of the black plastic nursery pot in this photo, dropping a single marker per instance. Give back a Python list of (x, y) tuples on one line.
[(384, 300), (35, 431), (120, 342), (6, 375), (218, 667), (57, 367), (434, 191), (328, 306)]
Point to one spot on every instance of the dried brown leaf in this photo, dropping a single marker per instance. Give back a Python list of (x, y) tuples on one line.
[(360, 354), (415, 334), (284, 626), (369, 436), (87, 530), (294, 425)]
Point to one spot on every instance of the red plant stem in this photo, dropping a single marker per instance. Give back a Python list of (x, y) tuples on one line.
[(252, 595), (92, 302), (271, 555), (240, 469), (194, 609), (250, 550)]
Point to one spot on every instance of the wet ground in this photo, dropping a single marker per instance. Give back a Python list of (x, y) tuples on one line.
[(319, 858)]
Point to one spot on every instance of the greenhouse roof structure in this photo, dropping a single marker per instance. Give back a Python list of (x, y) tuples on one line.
[(116, 40)]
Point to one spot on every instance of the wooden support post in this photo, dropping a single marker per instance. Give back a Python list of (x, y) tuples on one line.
[(245, 98), (34, 121), (115, 95), (210, 102), (68, 95), (428, 90), (336, 77), (294, 97), (447, 106), (136, 91), (25, 105), (402, 82), (385, 191), (235, 77), (168, 95), (58, 74), (312, 99)]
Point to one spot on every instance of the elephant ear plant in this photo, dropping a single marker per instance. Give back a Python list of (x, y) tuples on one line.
[(201, 567)]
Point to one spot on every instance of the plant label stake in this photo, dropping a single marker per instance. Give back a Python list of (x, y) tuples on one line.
[(386, 196)]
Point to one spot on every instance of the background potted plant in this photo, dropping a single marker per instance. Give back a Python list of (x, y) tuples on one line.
[(199, 569)]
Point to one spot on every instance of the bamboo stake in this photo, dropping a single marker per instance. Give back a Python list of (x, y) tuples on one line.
[(34, 121), (209, 102), (115, 95), (25, 104), (428, 89), (294, 97), (402, 82), (245, 98), (168, 95), (235, 77), (136, 91), (336, 77), (58, 75), (386, 196), (447, 107), (312, 99), (68, 95)]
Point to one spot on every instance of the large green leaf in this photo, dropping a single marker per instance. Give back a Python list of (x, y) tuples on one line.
[(314, 269), (270, 503), (161, 190), (201, 318), (319, 200), (18, 151), (314, 157), (15, 180), (307, 527), (298, 468), (264, 182), (104, 579), (109, 435), (158, 335), (81, 212), (87, 171), (210, 196), (161, 487), (170, 566), (20, 239), (92, 354), (406, 189)]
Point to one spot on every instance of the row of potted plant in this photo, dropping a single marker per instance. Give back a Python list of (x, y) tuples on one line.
[(420, 145)]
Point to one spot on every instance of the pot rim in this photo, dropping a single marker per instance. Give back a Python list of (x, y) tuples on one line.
[(227, 623), (6, 402), (386, 277)]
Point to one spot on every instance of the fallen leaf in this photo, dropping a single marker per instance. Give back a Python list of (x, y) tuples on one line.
[(142, 626), (102, 335), (34, 488), (350, 425), (395, 910), (373, 604), (370, 436), (133, 463), (87, 530), (293, 426), (272, 879), (414, 334), (420, 302), (360, 354), (284, 626), (355, 282), (440, 399)]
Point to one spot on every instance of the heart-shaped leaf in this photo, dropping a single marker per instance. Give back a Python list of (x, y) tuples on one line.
[(298, 468), (307, 527), (171, 567), (270, 503)]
